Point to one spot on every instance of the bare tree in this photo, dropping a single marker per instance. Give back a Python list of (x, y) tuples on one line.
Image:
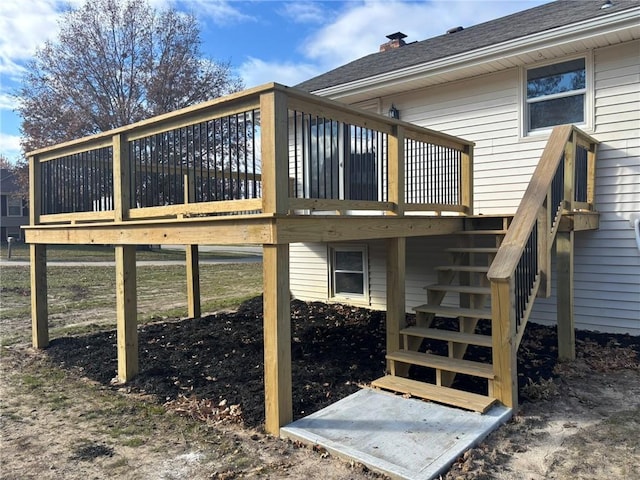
[(116, 62)]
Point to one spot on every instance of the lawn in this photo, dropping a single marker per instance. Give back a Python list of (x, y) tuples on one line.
[(82, 298), (103, 253)]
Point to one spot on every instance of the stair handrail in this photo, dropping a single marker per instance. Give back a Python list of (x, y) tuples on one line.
[(520, 269)]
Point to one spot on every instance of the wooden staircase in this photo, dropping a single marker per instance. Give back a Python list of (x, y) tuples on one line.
[(463, 320)]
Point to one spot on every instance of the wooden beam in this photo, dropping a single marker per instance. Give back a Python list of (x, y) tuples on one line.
[(396, 303), (505, 367), (187, 231), (193, 280), (250, 229), (39, 307), (277, 338), (126, 312), (566, 325), (334, 228)]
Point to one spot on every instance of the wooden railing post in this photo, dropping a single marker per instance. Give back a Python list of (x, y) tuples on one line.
[(591, 175), (397, 169), (466, 179), (569, 172), (121, 178), (275, 152), (38, 262), (544, 247), (503, 333)]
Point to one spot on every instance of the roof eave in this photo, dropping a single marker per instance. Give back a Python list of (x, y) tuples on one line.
[(568, 33)]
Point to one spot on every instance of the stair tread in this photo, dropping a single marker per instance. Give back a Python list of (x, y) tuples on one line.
[(428, 391), (460, 288), (464, 268), (454, 311), (472, 250), (448, 364), (448, 335)]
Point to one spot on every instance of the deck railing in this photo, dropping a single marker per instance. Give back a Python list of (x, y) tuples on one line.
[(269, 150), (563, 181)]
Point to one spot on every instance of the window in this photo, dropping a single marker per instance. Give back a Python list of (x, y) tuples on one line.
[(14, 206), (349, 277), (556, 94)]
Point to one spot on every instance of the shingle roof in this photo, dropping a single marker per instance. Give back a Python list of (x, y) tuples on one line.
[(521, 24)]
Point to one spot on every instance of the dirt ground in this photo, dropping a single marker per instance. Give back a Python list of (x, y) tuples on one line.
[(196, 409)]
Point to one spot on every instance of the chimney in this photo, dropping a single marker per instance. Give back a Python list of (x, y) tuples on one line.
[(395, 41)]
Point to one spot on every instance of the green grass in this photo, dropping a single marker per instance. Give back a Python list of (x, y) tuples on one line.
[(103, 253), (81, 299)]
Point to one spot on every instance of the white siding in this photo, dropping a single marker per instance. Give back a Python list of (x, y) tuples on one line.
[(486, 110), (607, 261), (308, 271)]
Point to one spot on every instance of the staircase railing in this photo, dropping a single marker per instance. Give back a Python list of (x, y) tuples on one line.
[(563, 182)]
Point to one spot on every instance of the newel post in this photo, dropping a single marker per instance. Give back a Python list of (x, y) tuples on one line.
[(38, 262), (277, 303), (396, 247), (503, 333)]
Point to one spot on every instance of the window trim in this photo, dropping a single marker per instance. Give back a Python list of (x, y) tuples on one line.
[(587, 91), (363, 298)]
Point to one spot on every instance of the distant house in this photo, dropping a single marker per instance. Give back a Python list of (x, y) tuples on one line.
[(13, 208), (504, 84)]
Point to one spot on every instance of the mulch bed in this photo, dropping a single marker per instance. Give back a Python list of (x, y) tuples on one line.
[(334, 349)]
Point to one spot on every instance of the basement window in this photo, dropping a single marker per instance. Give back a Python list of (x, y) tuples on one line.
[(349, 275), (556, 94)]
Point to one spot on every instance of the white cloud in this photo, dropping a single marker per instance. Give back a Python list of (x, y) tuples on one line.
[(10, 146), (220, 11), (304, 12), (255, 71), (24, 26), (7, 101)]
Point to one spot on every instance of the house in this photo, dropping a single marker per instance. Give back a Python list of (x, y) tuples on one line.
[(467, 189), (504, 84), (13, 209)]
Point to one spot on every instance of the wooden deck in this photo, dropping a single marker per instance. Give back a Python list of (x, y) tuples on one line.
[(273, 166)]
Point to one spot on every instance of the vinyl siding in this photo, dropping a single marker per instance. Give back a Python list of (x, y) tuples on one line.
[(486, 110)]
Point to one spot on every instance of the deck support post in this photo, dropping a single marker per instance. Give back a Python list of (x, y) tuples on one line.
[(503, 333), (39, 307), (566, 325), (396, 266), (277, 338), (126, 312), (193, 280)]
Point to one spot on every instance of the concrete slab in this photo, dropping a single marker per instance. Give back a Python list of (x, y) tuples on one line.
[(402, 437)]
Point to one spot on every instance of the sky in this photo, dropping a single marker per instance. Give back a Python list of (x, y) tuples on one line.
[(263, 40)]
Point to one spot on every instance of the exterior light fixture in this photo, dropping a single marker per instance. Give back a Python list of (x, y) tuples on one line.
[(394, 112)]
